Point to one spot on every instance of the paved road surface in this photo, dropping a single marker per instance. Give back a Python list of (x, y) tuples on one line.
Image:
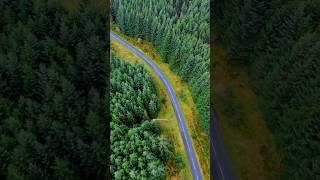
[(219, 162), (196, 173)]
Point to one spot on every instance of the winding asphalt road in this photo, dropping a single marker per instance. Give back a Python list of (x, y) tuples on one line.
[(196, 173)]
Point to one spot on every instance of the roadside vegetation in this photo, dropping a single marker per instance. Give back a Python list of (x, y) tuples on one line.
[(179, 31), (277, 44), (177, 166), (137, 149), (170, 128), (53, 76)]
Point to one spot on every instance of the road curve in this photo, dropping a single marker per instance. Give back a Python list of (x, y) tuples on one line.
[(219, 162), (193, 162)]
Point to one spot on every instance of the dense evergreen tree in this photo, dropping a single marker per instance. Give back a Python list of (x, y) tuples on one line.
[(179, 30), (279, 41), (53, 74), (137, 149)]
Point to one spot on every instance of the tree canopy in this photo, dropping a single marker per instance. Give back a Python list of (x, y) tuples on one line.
[(279, 43), (138, 151), (179, 30), (53, 76)]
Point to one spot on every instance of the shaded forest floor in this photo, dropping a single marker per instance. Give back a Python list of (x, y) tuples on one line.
[(249, 143), (170, 128)]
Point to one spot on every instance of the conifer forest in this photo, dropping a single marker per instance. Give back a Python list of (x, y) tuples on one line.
[(120, 89), (278, 42), (179, 30), (137, 149), (53, 76)]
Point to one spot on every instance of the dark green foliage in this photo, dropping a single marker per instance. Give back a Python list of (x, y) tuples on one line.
[(230, 108), (283, 63), (179, 30), (137, 150), (53, 74), (179, 162)]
